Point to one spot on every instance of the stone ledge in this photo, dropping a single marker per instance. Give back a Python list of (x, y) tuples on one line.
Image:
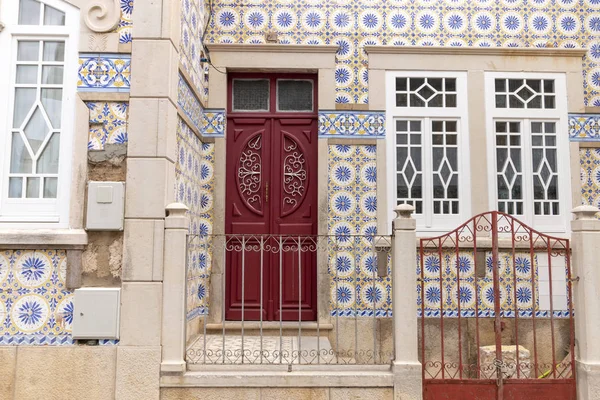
[(277, 376), (63, 239), (483, 51)]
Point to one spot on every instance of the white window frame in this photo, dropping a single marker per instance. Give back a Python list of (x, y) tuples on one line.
[(427, 222), (558, 115), (37, 213)]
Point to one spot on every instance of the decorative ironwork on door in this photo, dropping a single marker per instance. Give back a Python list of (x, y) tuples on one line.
[(496, 312)]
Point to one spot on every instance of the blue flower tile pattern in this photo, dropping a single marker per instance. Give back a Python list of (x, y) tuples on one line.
[(104, 72), (35, 306), (452, 283), (108, 124), (352, 123), (194, 186), (584, 127), (125, 24), (352, 179), (351, 25), (193, 14), (590, 176)]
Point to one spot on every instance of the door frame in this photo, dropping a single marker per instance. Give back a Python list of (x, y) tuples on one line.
[(272, 118), (273, 59)]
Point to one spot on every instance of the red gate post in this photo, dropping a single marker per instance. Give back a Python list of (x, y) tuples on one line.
[(406, 366), (586, 298)]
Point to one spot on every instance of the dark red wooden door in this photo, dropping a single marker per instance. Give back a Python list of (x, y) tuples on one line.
[(271, 200)]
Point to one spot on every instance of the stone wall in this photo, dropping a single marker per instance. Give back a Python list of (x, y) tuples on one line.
[(278, 393)]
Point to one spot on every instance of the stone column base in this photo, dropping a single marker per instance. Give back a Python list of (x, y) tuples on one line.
[(408, 383), (588, 380)]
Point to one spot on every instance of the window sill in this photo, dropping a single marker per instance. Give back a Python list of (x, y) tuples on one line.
[(63, 239)]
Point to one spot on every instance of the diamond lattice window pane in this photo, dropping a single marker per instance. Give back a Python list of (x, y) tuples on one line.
[(250, 95), (294, 95), (21, 162), (48, 161), (52, 102), (24, 99), (36, 130)]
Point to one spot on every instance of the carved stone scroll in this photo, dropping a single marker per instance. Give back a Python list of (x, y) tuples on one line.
[(102, 15)]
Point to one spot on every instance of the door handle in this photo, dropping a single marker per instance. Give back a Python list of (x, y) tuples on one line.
[(266, 192)]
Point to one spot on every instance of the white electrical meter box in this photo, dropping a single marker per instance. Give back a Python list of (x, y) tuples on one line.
[(96, 313), (105, 206)]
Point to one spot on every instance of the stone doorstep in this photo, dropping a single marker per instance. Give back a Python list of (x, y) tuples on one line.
[(269, 326), (346, 376)]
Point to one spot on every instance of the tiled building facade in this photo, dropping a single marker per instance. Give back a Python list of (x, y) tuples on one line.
[(142, 112)]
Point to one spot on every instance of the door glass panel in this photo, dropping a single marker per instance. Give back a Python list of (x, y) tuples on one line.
[(508, 167), (545, 168), (444, 154), (409, 169), (250, 95), (294, 95)]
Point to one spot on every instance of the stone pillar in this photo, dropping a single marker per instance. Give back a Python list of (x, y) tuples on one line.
[(174, 289), (406, 365), (585, 265)]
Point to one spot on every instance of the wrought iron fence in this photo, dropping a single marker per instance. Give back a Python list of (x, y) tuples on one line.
[(265, 309)]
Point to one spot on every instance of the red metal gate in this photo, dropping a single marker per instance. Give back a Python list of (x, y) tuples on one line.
[(496, 313)]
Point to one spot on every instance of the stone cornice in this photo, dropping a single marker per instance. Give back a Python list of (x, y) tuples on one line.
[(271, 48), (477, 51)]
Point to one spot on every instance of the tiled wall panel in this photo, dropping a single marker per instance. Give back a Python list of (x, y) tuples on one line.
[(353, 24), (194, 185), (104, 72), (590, 176), (108, 124), (193, 15), (35, 306)]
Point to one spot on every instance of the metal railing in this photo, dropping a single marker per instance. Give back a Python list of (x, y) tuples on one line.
[(264, 308)]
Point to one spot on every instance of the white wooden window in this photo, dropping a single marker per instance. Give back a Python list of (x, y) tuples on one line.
[(528, 156), (37, 111), (428, 146)]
